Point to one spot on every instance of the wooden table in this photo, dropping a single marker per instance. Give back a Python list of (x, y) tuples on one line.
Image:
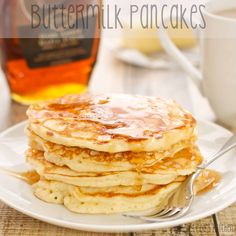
[(114, 76)]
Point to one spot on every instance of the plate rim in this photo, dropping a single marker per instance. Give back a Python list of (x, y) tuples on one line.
[(116, 228)]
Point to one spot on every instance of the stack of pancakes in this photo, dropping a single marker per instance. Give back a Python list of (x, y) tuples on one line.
[(110, 153)]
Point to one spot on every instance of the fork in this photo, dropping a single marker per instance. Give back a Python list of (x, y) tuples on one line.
[(181, 201)]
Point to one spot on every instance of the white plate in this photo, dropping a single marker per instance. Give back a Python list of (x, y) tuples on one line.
[(18, 195)]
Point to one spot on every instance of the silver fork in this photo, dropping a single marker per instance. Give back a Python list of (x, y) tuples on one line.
[(180, 202)]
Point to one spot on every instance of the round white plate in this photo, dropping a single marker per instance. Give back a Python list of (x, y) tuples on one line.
[(18, 194)]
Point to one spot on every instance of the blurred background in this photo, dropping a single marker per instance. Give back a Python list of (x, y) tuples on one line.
[(120, 61)]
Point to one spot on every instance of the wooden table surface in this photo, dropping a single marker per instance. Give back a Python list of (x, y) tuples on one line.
[(113, 76)]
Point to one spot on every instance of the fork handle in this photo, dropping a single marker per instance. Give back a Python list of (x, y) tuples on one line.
[(229, 145)]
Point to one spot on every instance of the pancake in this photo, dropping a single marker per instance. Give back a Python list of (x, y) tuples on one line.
[(86, 160), (112, 122), (110, 153), (172, 169), (104, 200)]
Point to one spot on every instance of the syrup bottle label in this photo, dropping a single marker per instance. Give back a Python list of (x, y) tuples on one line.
[(54, 38)]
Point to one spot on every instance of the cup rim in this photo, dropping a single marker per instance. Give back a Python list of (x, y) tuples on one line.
[(214, 15)]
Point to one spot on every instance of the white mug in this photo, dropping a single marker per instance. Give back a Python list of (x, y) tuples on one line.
[(217, 77)]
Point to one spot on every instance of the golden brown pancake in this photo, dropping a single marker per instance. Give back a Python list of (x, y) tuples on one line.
[(112, 122), (168, 170), (86, 160), (104, 200), (114, 199)]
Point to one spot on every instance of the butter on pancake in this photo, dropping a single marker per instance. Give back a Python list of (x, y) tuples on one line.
[(112, 122)]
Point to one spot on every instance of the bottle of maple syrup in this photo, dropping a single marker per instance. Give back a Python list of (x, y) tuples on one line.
[(48, 47)]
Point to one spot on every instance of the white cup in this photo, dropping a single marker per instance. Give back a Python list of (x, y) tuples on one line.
[(217, 77)]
